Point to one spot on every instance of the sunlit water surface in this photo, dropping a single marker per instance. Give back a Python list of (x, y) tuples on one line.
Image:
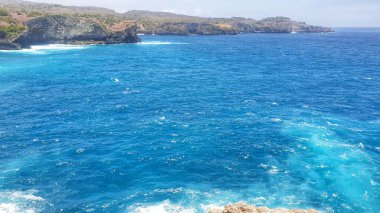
[(181, 124)]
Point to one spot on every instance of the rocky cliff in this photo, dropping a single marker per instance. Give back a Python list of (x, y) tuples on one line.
[(245, 208), (69, 30), (283, 25), (194, 29), (8, 45), (169, 23)]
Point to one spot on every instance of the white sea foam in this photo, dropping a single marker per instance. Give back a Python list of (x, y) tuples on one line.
[(26, 196), (159, 43), (361, 145), (129, 91), (80, 150), (276, 120), (207, 208), (13, 208), (332, 124), (44, 49), (16, 201), (368, 78), (58, 47), (274, 170), (116, 80), (355, 129), (164, 207)]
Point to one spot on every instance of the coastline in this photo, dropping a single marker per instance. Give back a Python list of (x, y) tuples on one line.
[(16, 47), (54, 23)]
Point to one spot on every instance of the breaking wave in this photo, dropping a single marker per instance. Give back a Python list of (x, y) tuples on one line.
[(44, 49), (164, 207), (18, 201)]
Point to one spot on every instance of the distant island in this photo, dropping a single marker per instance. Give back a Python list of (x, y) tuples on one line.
[(24, 23)]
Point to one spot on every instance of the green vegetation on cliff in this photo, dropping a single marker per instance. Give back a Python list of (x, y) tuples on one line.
[(11, 31), (9, 28), (3, 12)]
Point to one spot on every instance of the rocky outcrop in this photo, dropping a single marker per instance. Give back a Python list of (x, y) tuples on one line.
[(69, 30), (286, 25), (245, 208), (8, 45)]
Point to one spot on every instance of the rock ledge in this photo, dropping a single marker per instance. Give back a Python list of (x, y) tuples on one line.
[(245, 208)]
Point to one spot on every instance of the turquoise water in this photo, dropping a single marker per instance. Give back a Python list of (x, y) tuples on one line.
[(180, 124)]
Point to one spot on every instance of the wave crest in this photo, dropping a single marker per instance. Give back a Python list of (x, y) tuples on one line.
[(17, 201), (44, 49)]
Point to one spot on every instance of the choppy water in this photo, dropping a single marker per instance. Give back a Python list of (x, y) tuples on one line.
[(179, 124)]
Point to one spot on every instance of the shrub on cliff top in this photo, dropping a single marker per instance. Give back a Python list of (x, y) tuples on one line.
[(3, 12), (12, 31), (34, 14)]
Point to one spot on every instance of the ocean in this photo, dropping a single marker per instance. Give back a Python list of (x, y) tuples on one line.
[(187, 123)]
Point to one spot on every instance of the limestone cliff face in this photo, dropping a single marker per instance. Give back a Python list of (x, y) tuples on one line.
[(58, 29), (245, 208), (69, 30)]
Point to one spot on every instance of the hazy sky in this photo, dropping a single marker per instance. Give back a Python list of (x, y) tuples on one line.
[(334, 13)]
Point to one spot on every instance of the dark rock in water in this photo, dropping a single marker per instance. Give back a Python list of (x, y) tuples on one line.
[(245, 208), (6, 45), (69, 30), (195, 28)]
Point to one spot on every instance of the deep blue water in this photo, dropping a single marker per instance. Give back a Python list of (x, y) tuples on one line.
[(182, 123)]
